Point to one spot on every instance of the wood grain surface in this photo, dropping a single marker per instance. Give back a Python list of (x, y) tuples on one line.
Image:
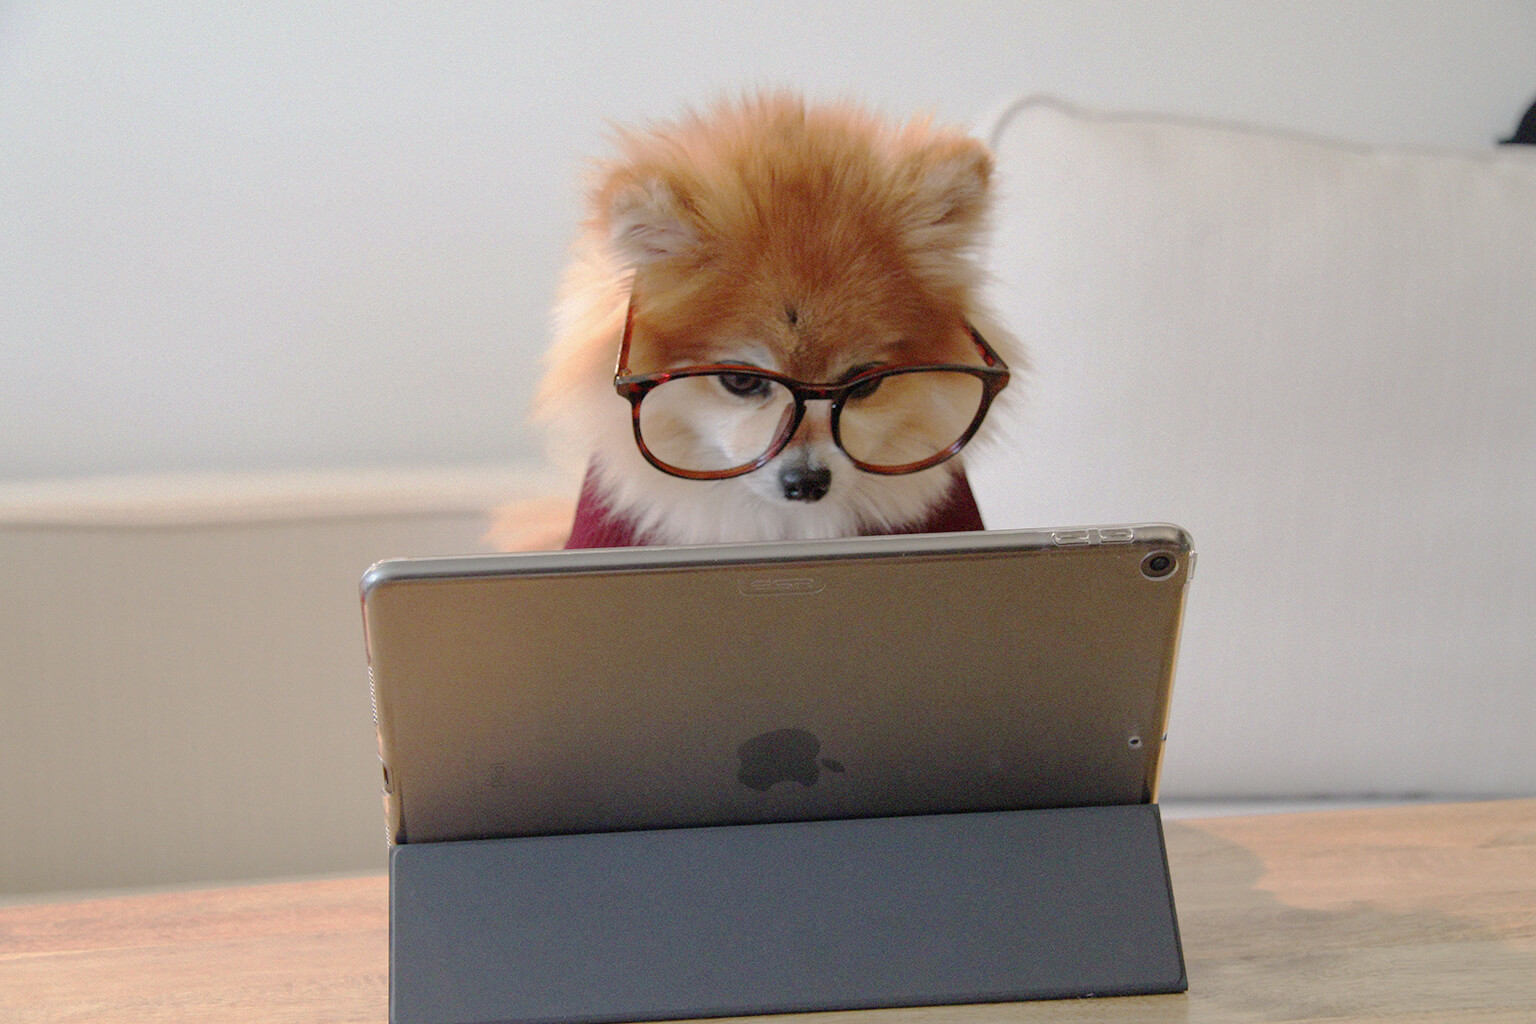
[(1407, 914)]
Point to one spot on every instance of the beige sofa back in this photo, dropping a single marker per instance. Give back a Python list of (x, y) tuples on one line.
[(182, 676), (1320, 358)]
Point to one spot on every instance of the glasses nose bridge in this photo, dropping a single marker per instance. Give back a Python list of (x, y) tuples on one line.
[(806, 425), (819, 392)]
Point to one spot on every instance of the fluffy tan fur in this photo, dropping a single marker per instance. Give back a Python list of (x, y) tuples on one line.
[(808, 239)]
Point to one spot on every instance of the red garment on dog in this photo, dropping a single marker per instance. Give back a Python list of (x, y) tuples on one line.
[(597, 526)]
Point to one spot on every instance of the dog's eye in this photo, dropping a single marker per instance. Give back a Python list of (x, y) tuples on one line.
[(743, 385), (864, 388)]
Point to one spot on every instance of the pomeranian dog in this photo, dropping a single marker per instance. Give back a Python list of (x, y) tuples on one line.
[(772, 329)]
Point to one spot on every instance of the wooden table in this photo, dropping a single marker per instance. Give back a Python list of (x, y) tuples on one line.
[(1417, 914)]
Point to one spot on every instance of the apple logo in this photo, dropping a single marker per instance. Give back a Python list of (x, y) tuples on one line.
[(782, 755)]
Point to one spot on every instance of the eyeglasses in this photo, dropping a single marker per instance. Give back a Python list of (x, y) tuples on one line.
[(726, 419)]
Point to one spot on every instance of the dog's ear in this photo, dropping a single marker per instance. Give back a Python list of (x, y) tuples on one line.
[(950, 193), (647, 218)]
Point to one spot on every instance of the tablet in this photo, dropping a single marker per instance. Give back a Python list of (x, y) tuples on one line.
[(642, 688)]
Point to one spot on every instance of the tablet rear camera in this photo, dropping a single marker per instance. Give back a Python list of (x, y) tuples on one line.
[(1159, 565)]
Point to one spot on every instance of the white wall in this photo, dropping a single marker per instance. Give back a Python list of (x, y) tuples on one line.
[(286, 236)]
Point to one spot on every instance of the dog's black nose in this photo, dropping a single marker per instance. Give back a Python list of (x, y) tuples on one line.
[(805, 483)]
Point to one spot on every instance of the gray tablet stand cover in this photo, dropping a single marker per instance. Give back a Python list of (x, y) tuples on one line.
[(815, 915)]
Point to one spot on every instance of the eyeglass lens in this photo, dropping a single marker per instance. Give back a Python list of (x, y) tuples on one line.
[(909, 417)]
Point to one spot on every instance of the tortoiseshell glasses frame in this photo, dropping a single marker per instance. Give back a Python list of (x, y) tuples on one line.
[(992, 376)]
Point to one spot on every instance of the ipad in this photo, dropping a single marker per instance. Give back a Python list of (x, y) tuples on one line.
[(643, 688)]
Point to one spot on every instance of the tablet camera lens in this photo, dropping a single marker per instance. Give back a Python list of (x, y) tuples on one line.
[(1158, 565)]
